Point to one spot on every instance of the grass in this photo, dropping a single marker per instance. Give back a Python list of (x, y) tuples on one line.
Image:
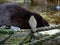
[(51, 18)]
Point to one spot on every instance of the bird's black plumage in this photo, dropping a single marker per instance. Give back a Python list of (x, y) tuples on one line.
[(16, 15)]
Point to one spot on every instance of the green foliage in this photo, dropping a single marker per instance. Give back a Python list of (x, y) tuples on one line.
[(3, 1), (32, 2), (25, 41), (6, 31), (45, 39), (53, 2)]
